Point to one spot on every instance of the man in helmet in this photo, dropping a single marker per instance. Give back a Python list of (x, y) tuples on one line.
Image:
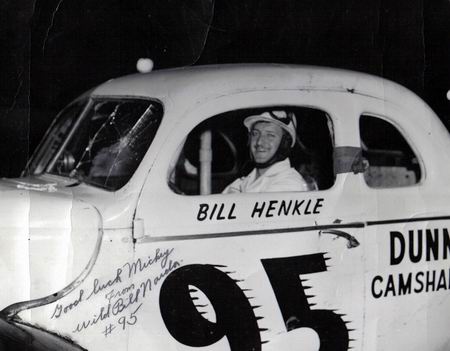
[(272, 134)]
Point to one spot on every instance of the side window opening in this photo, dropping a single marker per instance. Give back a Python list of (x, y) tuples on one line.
[(230, 155), (392, 162)]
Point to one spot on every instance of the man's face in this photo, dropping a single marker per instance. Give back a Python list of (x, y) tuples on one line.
[(265, 138)]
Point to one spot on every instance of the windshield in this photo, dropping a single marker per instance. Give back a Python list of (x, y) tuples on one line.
[(100, 142)]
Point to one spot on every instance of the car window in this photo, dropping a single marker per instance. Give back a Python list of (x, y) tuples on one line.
[(392, 162), (104, 145), (53, 139), (230, 157)]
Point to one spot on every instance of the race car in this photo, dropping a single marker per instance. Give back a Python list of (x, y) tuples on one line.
[(118, 235)]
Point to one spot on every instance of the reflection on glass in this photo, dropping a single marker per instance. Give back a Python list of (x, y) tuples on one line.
[(105, 146)]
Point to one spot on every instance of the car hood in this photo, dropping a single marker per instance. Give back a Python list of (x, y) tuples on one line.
[(15, 335), (48, 239)]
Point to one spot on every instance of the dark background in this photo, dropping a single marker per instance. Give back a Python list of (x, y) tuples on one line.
[(53, 50)]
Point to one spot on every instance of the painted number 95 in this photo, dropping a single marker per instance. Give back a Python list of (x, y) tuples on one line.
[(235, 316)]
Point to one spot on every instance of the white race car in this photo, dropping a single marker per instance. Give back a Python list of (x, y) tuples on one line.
[(118, 235)]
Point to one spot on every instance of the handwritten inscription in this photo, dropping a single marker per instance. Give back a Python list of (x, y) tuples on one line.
[(60, 309), (114, 294), (98, 286), (123, 321), (118, 295), (161, 257)]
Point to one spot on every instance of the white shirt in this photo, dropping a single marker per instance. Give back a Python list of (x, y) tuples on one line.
[(278, 177)]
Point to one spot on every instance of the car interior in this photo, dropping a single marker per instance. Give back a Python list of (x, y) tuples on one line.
[(312, 154)]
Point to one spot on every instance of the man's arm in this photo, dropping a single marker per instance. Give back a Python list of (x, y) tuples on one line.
[(234, 187), (291, 182)]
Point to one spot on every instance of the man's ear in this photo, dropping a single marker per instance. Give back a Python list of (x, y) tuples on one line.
[(287, 139)]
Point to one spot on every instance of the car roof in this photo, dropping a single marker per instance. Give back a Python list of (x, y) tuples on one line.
[(204, 82)]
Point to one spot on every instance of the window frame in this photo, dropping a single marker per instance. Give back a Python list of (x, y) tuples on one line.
[(328, 121), (406, 137), (88, 102)]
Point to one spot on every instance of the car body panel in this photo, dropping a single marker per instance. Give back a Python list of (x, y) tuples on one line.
[(330, 269)]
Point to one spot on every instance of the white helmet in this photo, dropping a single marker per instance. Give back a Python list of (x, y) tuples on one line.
[(285, 120)]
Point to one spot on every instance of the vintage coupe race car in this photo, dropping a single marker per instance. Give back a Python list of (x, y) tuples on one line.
[(119, 238)]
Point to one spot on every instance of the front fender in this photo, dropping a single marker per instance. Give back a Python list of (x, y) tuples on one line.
[(47, 241)]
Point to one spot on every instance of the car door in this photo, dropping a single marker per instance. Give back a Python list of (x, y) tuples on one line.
[(253, 271)]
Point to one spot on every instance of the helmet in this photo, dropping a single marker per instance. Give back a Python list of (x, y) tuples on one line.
[(285, 120)]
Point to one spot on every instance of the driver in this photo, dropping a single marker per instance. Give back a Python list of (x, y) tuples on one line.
[(272, 135)]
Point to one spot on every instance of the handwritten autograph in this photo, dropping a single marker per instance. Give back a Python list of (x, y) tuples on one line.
[(119, 300), (141, 265), (124, 321), (127, 270)]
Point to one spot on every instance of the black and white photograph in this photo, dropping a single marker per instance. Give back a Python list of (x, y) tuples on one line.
[(225, 175)]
